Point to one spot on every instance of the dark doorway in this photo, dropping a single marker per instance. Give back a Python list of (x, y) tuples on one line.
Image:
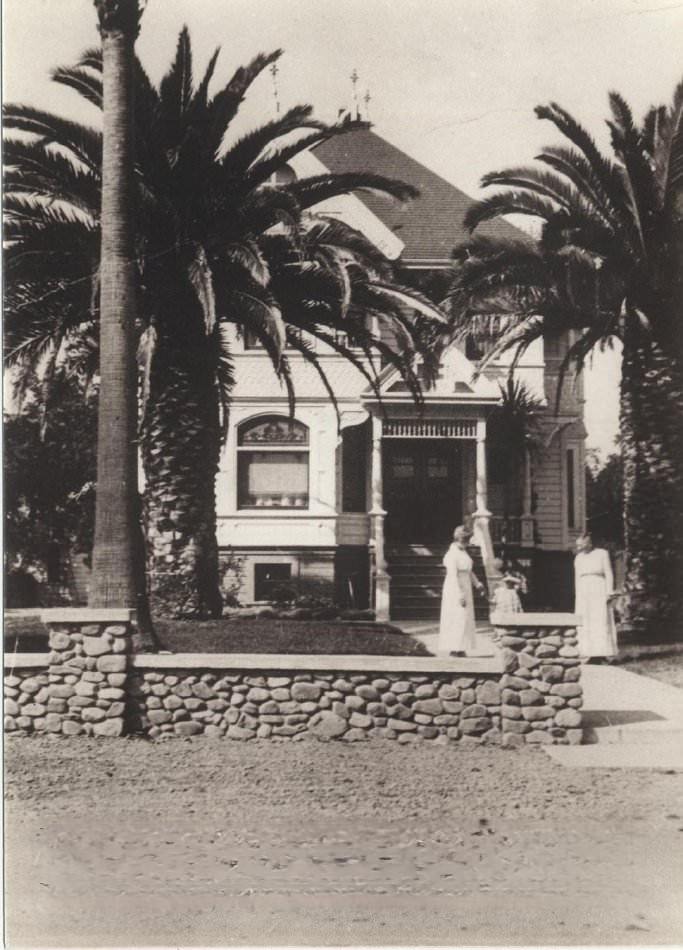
[(422, 490)]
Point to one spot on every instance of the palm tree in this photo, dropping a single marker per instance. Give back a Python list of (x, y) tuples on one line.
[(219, 243), (513, 436), (113, 582), (608, 269)]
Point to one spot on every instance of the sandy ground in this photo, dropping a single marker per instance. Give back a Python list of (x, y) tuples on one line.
[(222, 843)]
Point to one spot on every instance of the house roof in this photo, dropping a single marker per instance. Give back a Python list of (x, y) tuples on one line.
[(455, 384), (431, 225), (257, 381)]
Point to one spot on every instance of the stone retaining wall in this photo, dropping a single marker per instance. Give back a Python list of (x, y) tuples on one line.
[(90, 684)]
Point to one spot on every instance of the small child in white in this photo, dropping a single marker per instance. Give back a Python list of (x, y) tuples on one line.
[(505, 597)]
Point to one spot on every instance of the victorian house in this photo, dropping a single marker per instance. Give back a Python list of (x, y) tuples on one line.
[(363, 511)]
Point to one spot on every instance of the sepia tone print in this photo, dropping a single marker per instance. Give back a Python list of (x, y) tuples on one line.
[(343, 473)]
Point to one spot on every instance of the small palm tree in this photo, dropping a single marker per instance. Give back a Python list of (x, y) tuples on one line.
[(607, 267), (218, 243), (513, 435)]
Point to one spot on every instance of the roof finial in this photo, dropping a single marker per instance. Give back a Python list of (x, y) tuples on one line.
[(354, 82), (367, 99), (273, 72)]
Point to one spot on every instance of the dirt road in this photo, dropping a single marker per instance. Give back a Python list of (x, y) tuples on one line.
[(219, 843)]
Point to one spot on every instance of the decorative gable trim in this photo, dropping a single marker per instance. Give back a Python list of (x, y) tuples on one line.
[(349, 209), (457, 383)]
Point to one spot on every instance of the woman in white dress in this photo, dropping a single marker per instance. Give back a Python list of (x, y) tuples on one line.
[(457, 628), (594, 587)]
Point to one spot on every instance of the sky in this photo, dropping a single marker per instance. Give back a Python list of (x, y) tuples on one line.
[(451, 82)]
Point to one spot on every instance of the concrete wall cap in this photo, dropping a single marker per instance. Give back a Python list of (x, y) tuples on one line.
[(24, 661), (302, 662), (88, 615), (535, 620)]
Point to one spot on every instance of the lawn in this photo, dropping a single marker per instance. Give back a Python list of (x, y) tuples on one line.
[(248, 635), (667, 668)]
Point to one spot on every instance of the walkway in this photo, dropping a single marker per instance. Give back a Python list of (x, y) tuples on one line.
[(427, 632), (630, 721)]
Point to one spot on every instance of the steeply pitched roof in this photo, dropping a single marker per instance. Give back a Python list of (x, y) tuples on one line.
[(432, 224)]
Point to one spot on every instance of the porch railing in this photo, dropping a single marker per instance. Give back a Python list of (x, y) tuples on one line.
[(506, 530)]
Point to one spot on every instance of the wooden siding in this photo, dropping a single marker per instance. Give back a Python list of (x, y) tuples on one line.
[(548, 495)]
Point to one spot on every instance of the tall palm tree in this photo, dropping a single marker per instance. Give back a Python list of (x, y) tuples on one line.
[(608, 267), (219, 243), (114, 582)]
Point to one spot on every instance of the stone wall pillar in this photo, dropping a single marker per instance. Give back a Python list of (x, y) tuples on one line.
[(87, 670), (542, 694)]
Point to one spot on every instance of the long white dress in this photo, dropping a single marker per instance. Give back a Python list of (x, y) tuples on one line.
[(594, 582), (457, 631)]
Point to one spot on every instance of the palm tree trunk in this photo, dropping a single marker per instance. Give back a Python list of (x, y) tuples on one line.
[(113, 581), (181, 449), (651, 424)]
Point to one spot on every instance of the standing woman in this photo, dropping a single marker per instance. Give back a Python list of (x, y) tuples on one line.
[(457, 630), (594, 586)]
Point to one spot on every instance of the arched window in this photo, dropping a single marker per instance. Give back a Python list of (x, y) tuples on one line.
[(272, 463)]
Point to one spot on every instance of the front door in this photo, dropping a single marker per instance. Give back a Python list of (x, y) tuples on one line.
[(422, 490)]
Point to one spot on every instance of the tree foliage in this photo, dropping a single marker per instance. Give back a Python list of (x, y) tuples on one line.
[(220, 242), (608, 267), (605, 501), (50, 471)]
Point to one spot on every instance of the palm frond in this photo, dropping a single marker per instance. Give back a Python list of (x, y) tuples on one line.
[(224, 105), (83, 81), (84, 143), (248, 149), (296, 342), (540, 183), (510, 202), (669, 154), (201, 279), (201, 95), (248, 255), (224, 371), (34, 169), (147, 346), (311, 191), (576, 357), (409, 299), (602, 168), (176, 89)]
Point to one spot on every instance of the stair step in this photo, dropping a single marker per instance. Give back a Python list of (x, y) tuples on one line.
[(414, 613)]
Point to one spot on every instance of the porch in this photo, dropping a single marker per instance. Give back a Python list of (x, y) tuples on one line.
[(429, 474)]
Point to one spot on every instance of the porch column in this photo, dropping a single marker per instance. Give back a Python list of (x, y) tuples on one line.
[(527, 519), (482, 515), (377, 516)]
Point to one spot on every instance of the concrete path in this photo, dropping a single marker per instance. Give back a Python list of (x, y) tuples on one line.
[(427, 632), (630, 721)]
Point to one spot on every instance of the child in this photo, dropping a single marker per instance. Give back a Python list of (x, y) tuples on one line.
[(505, 597)]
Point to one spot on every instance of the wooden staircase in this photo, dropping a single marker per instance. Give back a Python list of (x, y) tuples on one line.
[(417, 576)]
